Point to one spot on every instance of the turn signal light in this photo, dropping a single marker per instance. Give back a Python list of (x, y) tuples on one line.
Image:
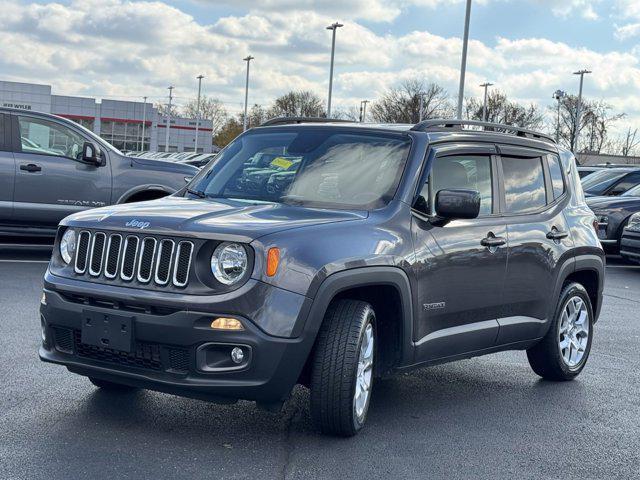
[(223, 323), (273, 259)]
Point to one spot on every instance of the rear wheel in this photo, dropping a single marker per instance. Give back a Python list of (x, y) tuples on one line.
[(342, 368), (563, 352), (110, 386)]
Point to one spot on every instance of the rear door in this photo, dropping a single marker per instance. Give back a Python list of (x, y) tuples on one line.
[(51, 180), (7, 170), (533, 198), (460, 266)]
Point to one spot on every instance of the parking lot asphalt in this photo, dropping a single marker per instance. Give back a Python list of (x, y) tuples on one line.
[(488, 417)]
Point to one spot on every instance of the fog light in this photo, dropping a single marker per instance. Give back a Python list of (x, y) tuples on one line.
[(223, 323), (237, 355)]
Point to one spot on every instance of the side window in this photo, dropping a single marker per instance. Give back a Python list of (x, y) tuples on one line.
[(627, 182), (44, 137), (557, 179), (523, 184), (469, 172)]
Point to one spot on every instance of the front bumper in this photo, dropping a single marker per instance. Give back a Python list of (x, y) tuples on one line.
[(167, 336)]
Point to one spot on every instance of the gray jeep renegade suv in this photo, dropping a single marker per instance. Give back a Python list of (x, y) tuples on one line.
[(331, 254)]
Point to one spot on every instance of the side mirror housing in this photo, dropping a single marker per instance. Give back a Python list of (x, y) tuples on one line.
[(457, 204), (91, 154)]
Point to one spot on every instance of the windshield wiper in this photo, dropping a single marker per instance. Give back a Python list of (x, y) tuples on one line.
[(197, 193)]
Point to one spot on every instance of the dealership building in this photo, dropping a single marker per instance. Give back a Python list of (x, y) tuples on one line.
[(118, 122)]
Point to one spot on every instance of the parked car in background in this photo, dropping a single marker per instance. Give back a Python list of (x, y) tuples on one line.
[(611, 181), (51, 167), (630, 242), (329, 255), (584, 172), (613, 213)]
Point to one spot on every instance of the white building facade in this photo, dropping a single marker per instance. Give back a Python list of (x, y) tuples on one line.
[(118, 122)]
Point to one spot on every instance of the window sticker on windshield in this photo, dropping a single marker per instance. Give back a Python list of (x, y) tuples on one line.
[(281, 162)]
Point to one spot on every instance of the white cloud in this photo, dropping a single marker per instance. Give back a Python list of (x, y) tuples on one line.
[(130, 49)]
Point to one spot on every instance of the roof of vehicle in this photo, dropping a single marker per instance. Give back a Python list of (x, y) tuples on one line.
[(436, 129)]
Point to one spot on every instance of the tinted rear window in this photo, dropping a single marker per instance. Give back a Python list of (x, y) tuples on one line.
[(524, 184)]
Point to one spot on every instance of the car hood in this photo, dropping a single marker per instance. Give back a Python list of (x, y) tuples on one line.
[(165, 165), (222, 219), (603, 203)]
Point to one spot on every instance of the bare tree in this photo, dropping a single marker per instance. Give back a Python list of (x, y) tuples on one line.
[(627, 144), (297, 104), (502, 110), (257, 115), (402, 104), (210, 109), (230, 130), (163, 108), (595, 124)]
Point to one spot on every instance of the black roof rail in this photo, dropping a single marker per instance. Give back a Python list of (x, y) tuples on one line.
[(291, 120), (427, 125)]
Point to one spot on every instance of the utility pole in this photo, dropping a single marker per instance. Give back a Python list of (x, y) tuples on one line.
[(166, 138), (559, 95), (576, 137), (463, 66), (247, 59), (144, 120), (333, 27), (199, 77), (363, 107), (486, 86)]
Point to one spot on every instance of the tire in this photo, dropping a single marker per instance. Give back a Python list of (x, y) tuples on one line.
[(110, 386), (348, 327), (547, 358)]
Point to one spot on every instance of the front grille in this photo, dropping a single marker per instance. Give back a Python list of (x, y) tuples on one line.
[(145, 355), (179, 360), (144, 259), (64, 339)]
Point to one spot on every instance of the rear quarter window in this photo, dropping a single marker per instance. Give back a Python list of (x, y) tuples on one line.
[(557, 179)]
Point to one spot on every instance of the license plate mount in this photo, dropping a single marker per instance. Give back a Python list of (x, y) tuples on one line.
[(106, 330)]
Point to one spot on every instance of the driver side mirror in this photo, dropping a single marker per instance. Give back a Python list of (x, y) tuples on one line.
[(91, 154), (457, 204)]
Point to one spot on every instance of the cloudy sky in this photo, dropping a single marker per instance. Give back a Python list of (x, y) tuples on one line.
[(127, 49)]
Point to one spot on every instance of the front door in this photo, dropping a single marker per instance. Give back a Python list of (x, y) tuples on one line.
[(460, 265), (51, 180)]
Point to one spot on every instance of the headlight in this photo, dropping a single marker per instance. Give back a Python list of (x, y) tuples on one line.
[(229, 263), (634, 220), (68, 246)]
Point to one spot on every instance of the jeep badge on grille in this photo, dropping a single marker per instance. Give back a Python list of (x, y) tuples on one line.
[(137, 224)]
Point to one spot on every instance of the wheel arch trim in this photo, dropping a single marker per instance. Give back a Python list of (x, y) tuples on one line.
[(144, 188)]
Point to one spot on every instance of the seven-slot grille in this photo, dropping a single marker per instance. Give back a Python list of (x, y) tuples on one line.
[(130, 257)]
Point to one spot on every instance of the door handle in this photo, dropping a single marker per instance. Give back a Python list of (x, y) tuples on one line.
[(492, 242), (556, 234), (31, 167)]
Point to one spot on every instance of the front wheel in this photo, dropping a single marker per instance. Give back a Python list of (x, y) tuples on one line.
[(342, 368), (564, 350)]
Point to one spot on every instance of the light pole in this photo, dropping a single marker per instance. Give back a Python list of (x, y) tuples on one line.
[(486, 86), (144, 120), (575, 144), (463, 66), (559, 95), (420, 106), (247, 59), (166, 138), (334, 26), (363, 111), (199, 77)]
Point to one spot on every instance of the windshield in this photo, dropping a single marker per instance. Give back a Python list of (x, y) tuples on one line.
[(600, 181), (308, 166), (632, 192)]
